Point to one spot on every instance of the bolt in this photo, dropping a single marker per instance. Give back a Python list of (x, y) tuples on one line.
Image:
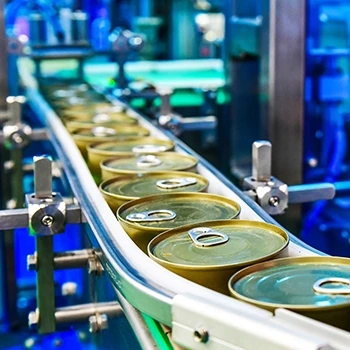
[(274, 201), (47, 220), (98, 323), (17, 138), (33, 320), (313, 162), (69, 288), (201, 335)]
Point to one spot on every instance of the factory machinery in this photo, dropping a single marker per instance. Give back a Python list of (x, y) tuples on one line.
[(50, 196)]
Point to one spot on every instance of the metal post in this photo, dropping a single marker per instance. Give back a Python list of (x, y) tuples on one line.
[(45, 293)]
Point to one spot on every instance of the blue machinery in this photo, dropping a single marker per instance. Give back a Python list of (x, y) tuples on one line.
[(148, 295)]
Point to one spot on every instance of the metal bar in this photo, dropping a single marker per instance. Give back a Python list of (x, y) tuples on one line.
[(137, 323), (79, 313), (310, 192), (45, 293), (74, 259), (36, 135), (4, 90)]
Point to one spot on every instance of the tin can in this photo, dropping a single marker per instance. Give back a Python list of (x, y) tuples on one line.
[(317, 287), (120, 190), (102, 120), (147, 163), (80, 103), (97, 152), (208, 253), (84, 137), (89, 114), (145, 218)]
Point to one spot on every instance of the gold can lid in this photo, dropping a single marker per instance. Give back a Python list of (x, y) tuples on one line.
[(221, 243), (300, 283), (141, 185), (151, 162), (166, 211)]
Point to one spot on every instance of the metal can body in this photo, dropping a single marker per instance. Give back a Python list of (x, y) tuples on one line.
[(87, 115), (208, 253), (83, 137), (98, 152), (166, 161), (317, 287), (120, 190), (145, 218)]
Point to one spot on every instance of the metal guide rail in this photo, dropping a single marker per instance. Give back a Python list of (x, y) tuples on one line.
[(200, 318)]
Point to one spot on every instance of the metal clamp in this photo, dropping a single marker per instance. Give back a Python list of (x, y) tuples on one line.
[(150, 216), (274, 195), (46, 210), (317, 287), (201, 232), (175, 122), (169, 184), (148, 161)]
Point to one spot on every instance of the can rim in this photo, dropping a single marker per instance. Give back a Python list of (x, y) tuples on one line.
[(334, 260), (212, 224), (91, 147), (104, 166), (81, 137), (107, 182), (151, 198)]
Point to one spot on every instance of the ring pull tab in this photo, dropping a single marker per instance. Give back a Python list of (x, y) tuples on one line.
[(101, 131), (317, 287), (76, 101), (101, 118), (109, 109), (152, 216), (148, 148), (169, 184), (201, 232), (148, 161)]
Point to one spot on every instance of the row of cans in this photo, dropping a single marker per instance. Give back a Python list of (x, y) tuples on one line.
[(163, 204)]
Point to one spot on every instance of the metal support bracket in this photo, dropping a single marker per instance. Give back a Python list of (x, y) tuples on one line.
[(274, 195), (15, 134), (209, 324), (175, 122)]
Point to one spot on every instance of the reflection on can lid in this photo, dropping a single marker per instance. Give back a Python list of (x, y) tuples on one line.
[(219, 243), (295, 283)]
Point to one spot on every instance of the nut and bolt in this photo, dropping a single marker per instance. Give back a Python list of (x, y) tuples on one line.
[(95, 267), (201, 335), (274, 201), (98, 323), (47, 220)]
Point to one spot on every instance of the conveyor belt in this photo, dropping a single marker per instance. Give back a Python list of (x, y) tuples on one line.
[(144, 284)]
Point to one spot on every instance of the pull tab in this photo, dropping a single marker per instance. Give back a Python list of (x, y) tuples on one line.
[(76, 101), (150, 216), (148, 148), (176, 183), (148, 161), (101, 131), (201, 232), (109, 109), (319, 289), (101, 118)]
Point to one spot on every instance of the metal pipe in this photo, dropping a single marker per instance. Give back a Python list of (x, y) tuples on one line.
[(78, 313)]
